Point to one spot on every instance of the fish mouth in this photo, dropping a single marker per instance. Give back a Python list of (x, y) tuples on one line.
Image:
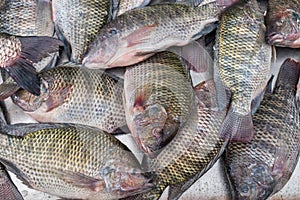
[(284, 40), (275, 38)]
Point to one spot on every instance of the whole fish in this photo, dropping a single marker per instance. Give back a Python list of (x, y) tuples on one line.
[(71, 161), (242, 65), (158, 99), (26, 18), (78, 22), (138, 34), (195, 148), (283, 23), (74, 95), (17, 55), (8, 191), (126, 5), (260, 168)]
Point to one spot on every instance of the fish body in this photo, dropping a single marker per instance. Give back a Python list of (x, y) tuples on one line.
[(158, 100), (126, 5), (72, 94), (17, 55), (8, 191), (79, 21), (194, 149), (283, 23), (138, 34), (71, 161), (242, 65), (26, 18), (260, 168)]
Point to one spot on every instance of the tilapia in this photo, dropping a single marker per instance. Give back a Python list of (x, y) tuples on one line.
[(158, 100), (242, 65), (73, 94), (17, 55), (260, 168), (138, 34), (283, 23), (195, 148), (71, 161), (8, 191), (78, 22), (26, 18), (126, 5)]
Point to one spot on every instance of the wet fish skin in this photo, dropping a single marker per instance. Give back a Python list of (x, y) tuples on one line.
[(158, 99), (68, 15), (26, 18), (242, 66), (283, 23), (270, 158), (8, 191), (194, 149), (126, 5), (138, 34), (73, 94), (71, 161), (18, 54)]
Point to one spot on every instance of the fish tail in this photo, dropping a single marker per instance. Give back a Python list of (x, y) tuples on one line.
[(33, 49), (289, 73), (237, 127)]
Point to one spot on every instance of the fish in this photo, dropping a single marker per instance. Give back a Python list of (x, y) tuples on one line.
[(18, 54), (8, 191), (158, 97), (260, 168), (73, 94), (192, 152), (78, 23), (242, 66), (126, 5), (71, 161), (140, 33), (283, 23), (26, 18)]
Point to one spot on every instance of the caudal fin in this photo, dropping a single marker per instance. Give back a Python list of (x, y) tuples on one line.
[(33, 49), (237, 127)]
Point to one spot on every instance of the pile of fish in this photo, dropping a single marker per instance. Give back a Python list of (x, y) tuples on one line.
[(189, 80)]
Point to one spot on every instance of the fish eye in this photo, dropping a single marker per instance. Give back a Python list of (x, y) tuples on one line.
[(113, 31)]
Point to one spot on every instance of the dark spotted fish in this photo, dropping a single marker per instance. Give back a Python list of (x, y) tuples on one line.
[(260, 168), (242, 65)]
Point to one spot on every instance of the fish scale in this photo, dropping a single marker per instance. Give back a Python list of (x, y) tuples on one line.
[(274, 148), (158, 81), (58, 159), (79, 22), (76, 95), (242, 65)]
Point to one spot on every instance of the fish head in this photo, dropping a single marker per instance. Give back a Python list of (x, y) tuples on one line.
[(28, 101), (103, 49), (148, 126), (284, 28), (122, 178), (253, 182)]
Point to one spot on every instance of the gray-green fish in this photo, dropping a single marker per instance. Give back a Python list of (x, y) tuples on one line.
[(26, 18), (71, 161), (75, 95), (260, 168), (158, 98), (138, 34), (79, 22), (126, 5), (194, 149), (8, 191), (17, 55), (283, 23), (242, 65)]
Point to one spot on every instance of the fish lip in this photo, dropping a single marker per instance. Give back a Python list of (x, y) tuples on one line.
[(274, 38)]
